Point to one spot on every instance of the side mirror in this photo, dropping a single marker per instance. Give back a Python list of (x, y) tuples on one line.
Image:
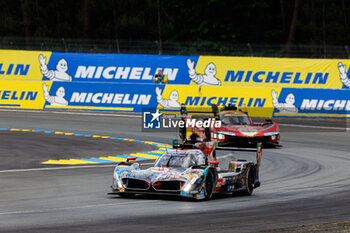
[(215, 110), (176, 143), (131, 159), (213, 162), (183, 110)]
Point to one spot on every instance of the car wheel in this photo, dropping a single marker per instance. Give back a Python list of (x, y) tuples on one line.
[(214, 154), (249, 181), (209, 185)]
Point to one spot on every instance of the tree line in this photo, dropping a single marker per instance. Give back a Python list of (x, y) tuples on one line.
[(306, 22)]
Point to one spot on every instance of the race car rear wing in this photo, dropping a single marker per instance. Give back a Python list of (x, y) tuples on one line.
[(258, 151), (203, 113), (209, 147), (214, 110)]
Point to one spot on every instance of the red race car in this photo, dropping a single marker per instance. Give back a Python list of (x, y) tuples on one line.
[(236, 128)]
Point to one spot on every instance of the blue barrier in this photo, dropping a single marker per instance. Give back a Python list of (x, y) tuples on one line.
[(121, 68)]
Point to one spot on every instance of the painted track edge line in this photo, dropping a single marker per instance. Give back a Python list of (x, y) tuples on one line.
[(74, 207), (60, 168), (80, 161), (315, 126), (73, 113)]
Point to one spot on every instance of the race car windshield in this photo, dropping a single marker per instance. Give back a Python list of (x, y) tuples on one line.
[(235, 120), (180, 159)]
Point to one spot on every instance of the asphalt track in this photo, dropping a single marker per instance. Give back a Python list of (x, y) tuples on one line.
[(23, 149), (305, 182)]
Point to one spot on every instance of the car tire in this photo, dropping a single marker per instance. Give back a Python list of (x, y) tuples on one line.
[(249, 181), (214, 154), (209, 185)]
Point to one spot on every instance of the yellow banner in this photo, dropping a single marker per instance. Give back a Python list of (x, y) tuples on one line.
[(21, 65), (22, 94), (258, 101), (273, 72)]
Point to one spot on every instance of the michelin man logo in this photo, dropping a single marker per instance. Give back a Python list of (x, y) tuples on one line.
[(208, 78), (171, 103), (344, 76), (288, 106), (55, 75), (57, 100)]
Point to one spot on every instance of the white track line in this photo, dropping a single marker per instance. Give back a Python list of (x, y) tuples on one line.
[(77, 207), (314, 126), (20, 110), (99, 114), (225, 156), (74, 113), (139, 116), (61, 168)]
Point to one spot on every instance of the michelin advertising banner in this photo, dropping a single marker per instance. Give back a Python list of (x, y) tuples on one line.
[(180, 70), (91, 67), (260, 102), (268, 87), (76, 96), (21, 94)]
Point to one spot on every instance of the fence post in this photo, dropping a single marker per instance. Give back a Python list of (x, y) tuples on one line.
[(64, 44), (250, 50), (347, 51), (159, 46)]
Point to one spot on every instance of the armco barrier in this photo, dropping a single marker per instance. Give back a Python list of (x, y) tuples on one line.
[(181, 70), (262, 102)]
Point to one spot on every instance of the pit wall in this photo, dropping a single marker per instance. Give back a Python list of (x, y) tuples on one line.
[(268, 87)]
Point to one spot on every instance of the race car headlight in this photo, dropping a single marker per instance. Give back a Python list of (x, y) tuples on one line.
[(221, 136), (227, 133), (215, 135), (187, 188), (117, 181), (271, 134), (193, 183)]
